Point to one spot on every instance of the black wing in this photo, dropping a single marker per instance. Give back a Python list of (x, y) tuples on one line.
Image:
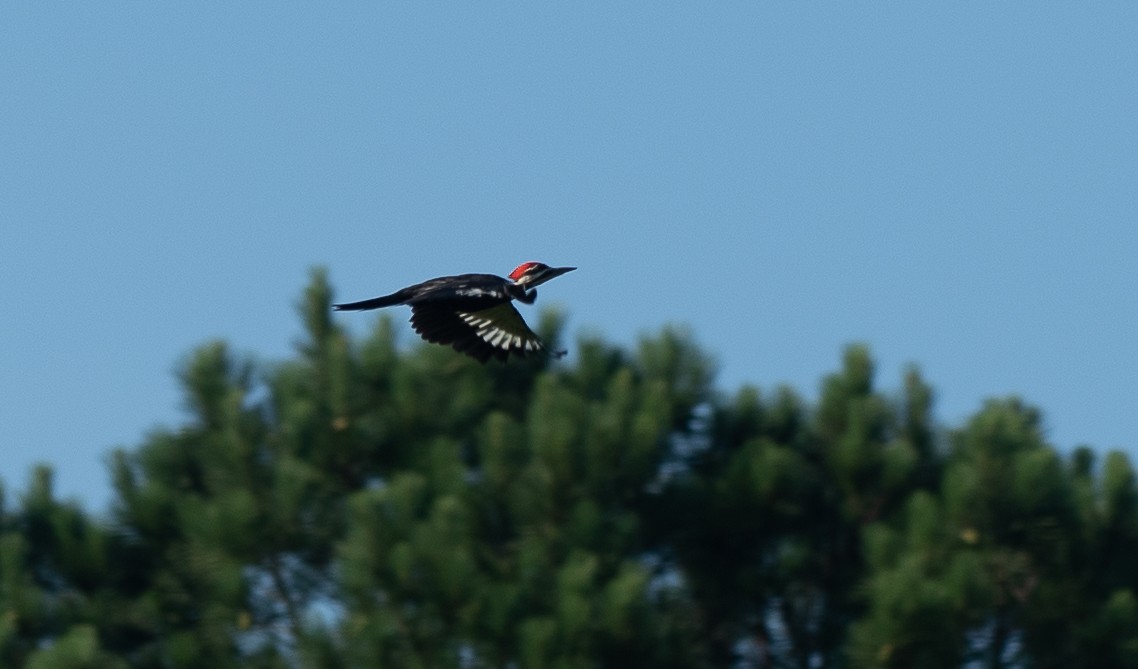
[(497, 331)]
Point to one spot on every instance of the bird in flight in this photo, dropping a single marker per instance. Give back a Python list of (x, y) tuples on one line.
[(472, 312)]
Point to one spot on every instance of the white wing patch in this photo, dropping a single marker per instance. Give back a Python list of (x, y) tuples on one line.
[(502, 327)]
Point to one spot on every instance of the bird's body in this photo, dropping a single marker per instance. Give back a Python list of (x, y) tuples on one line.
[(472, 312)]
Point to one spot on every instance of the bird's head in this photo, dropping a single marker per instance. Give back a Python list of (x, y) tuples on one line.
[(533, 274)]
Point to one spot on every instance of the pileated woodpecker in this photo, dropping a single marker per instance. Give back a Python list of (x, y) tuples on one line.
[(472, 312)]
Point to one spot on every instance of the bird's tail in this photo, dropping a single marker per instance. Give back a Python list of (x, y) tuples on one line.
[(373, 303)]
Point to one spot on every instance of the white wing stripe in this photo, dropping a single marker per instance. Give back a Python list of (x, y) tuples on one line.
[(499, 337)]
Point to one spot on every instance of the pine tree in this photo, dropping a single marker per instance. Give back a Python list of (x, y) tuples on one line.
[(368, 504), (57, 574), (766, 520), (1016, 562)]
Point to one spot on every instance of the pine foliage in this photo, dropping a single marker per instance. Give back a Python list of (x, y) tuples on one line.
[(369, 504)]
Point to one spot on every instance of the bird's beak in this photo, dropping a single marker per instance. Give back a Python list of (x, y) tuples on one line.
[(554, 272), (534, 280), (551, 273)]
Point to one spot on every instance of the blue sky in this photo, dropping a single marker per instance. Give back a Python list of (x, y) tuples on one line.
[(955, 185)]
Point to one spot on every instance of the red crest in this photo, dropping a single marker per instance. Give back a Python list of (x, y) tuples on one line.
[(522, 269)]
